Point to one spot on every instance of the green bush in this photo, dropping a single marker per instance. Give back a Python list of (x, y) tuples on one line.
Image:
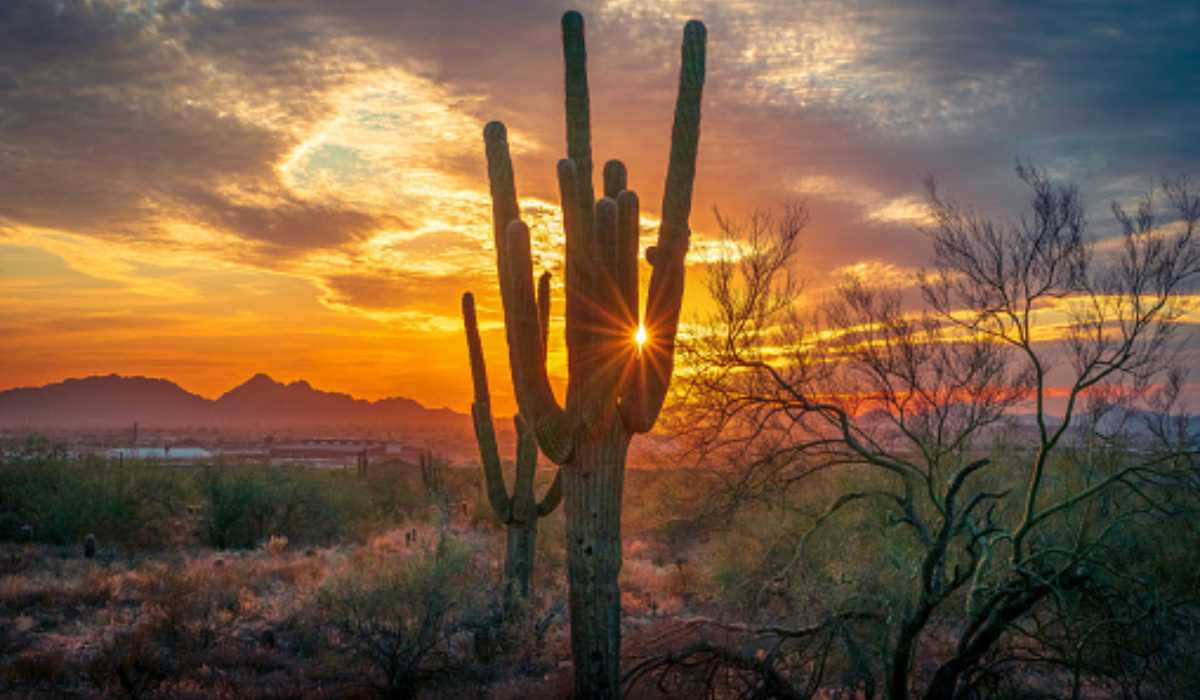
[(243, 506), (141, 505), (404, 615), (133, 504), (395, 490)]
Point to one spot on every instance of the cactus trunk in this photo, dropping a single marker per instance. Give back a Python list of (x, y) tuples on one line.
[(519, 558), (592, 492)]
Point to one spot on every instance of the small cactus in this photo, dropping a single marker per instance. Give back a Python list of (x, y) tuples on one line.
[(89, 546), (431, 476)]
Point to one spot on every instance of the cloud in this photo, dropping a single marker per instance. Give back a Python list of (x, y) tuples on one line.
[(131, 111), (332, 150), (117, 116)]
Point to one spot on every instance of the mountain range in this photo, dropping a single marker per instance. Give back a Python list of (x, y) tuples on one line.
[(260, 402)]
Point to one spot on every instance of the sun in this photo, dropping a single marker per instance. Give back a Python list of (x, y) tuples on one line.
[(639, 337)]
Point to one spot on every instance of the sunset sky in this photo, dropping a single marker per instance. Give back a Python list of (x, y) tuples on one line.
[(206, 189)]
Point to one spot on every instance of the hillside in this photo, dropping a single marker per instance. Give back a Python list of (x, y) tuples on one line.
[(114, 400)]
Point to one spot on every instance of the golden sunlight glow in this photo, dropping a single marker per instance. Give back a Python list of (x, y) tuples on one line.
[(362, 297)]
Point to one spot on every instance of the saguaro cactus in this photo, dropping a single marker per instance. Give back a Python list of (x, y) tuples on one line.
[(615, 387), (521, 511), (435, 490)]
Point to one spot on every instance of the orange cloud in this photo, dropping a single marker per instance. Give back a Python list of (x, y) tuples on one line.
[(208, 190)]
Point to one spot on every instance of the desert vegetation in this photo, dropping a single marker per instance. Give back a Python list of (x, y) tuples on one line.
[(979, 481), (385, 586), (262, 580), (940, 530)]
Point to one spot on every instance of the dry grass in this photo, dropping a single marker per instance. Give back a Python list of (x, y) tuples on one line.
[(654, 584), (196, 623), (124, 629), (191, 623)]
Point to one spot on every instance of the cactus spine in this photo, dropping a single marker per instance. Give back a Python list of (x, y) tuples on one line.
[(614, 388), (520, 511)]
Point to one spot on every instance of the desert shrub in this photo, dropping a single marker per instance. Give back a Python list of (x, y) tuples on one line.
[(230, 499), (508, 636), (275, 545), (188, 607), (15, 559), (397, 492), (12, 640), (95, 588), (132, 661), (293, 571), (1134, 623), (31, 448), (244, 506), (405, 616), (132, 504), (39, 669)]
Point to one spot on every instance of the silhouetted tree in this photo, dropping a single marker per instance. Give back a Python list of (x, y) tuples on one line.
[(912, 405)]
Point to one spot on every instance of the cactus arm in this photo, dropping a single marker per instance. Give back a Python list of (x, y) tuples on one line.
[(481, 415), (622, 282), (525, 355), (633, 381), (616, 178), (579, 272), (605, 234), (685, 139), (543, 302), (552, 498), (535, 398), (475, 351), (493, 474), (523, 507), (503, 189), (610, 344), (665, 297), (628, 231), (579, 131), (534, 395)]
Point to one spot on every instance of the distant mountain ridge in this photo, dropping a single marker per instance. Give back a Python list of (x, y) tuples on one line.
[(260, 402)]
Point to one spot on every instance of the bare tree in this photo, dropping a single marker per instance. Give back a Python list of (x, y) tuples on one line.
[(913, 405)]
